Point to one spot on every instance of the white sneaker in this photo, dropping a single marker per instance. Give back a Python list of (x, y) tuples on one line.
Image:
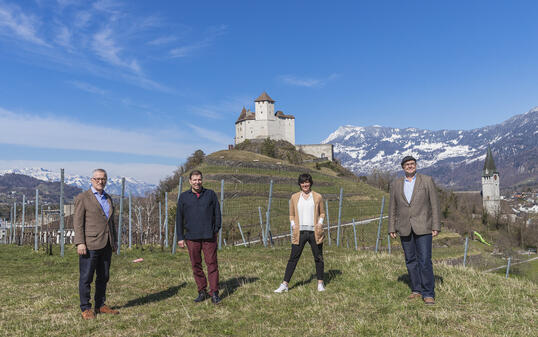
[(282, 288), (321, 287)]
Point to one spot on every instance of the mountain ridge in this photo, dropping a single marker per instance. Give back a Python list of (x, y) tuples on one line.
[(137, 187), (453, 157)]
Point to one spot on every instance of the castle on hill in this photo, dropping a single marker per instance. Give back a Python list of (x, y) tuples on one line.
[(264, 123)]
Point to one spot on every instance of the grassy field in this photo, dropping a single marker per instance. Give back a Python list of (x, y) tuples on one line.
[(365, 297)]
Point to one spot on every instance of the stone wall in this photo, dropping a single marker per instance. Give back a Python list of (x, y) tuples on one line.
[(317, 150)]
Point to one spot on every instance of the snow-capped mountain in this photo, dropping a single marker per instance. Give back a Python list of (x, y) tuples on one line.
[(454, 157), (136, 187)]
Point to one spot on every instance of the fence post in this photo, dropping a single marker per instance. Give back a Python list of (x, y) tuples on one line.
[(23, 215), (131, 221), (379, 226), (328, 221), (221, 211), (268, 213), (160, 225), (179, 188), (242, 236), (355, 235), (36, 218), (388, 242), (11, 221), (120, 228), (465, 251), (339, 217), (261, 226), (166, 219), (62, 239), (508, 267)]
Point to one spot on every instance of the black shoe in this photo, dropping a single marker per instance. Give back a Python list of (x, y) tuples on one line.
[(202, 296), (215, 298)]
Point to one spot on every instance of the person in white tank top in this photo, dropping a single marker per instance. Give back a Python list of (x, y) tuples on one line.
[(306, 218)]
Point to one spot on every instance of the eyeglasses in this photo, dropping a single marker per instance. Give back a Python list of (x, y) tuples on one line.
[(99, 179)]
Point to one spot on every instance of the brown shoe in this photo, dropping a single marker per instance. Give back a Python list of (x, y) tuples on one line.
[(429, 300), (413, 296), (88, 314), (105, 309)]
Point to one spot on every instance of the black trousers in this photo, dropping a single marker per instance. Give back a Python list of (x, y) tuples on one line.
[(94, 262), (297, 250)]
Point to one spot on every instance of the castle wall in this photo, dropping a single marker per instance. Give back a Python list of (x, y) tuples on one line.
[(318, 150)]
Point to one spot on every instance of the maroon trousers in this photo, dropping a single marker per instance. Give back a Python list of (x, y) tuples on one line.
[(209, 247)]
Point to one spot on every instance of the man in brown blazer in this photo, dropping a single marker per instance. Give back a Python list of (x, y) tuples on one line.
[(414, 215), (95, 238)]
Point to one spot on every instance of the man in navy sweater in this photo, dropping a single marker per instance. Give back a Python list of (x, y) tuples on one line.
[(198, 221)]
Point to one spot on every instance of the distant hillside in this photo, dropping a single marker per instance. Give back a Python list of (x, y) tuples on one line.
[(13, 186), (454, 157)]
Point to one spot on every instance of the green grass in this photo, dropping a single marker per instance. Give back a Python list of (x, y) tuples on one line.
[(365, 297)]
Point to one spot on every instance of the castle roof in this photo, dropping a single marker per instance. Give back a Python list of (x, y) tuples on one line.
[(245, 115), (280, 114), (264, 97), (489, 165)]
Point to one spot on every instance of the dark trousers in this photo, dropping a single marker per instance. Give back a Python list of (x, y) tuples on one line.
[(297, 250), (418, 259), (98, 262), (209, 247)]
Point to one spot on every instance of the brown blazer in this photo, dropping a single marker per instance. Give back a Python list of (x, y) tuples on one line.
[(421, 214), (92, 227), (319, 212)]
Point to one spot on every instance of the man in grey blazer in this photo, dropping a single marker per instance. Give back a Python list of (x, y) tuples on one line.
[(414, 215), (95, 238)]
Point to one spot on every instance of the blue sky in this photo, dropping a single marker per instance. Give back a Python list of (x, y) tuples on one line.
[(137, 86)]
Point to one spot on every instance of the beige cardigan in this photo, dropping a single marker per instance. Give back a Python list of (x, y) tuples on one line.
[(319, 212)]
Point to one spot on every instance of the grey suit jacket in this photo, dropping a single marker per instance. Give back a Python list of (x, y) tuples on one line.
[(421, 214), (92, 226)]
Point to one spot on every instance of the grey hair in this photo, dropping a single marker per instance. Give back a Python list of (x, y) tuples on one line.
[(99, 170)]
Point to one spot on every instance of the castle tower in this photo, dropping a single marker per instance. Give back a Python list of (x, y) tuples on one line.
[(491, 196), (264, 107)]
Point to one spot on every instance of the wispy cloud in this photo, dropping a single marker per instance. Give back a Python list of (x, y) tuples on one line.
[(211, 135), (64, 36), (222, 109), (105, 46), (55, 133), (87, 87), (307, 82), (14, 21), (162, 40), (94, 37), (188, 49)]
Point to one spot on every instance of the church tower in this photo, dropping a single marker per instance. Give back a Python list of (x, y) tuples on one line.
[(491, 196)]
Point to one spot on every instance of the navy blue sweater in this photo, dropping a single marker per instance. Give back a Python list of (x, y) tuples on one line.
[(197, 217)]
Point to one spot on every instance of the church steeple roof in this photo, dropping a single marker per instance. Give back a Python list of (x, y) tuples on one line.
[(489, 165), (264, 97)]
